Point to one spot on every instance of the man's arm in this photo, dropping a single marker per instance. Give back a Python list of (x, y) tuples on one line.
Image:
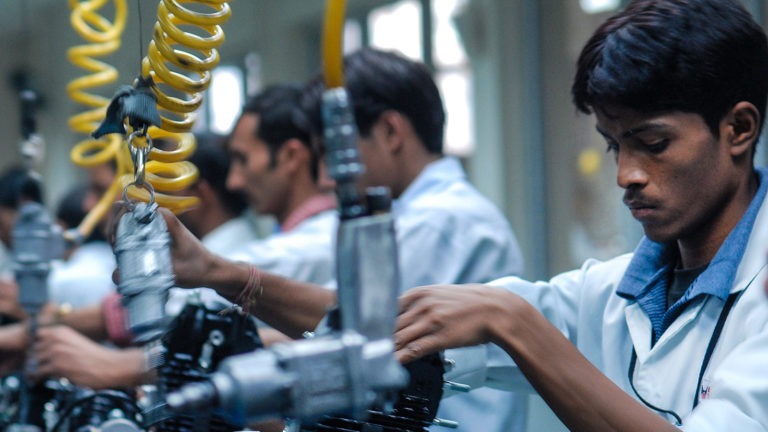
[(441, 317), (289, 306), (63, 352), (88, 320)]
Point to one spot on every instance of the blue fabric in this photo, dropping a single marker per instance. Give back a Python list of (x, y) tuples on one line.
[(645, 280), (448, 233)]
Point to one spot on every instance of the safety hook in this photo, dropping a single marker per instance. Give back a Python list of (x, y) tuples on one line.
[(140, 156)]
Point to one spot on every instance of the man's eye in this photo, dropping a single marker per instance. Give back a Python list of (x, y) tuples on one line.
[(658, 146), (612, 147)]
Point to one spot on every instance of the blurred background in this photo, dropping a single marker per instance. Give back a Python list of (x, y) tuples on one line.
[(504, 68)]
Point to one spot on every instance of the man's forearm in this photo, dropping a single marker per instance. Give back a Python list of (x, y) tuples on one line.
[(289, 306), (88, 321), (581, 396)]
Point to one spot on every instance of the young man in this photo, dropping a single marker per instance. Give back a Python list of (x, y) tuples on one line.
[(276, 166), (675, 334), (446, 231)]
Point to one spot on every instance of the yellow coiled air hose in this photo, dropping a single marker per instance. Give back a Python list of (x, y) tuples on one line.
[(178, 95), (104, 38), (167, 170)]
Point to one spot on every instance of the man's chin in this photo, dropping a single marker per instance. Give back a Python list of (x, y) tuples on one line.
[(658, 235)]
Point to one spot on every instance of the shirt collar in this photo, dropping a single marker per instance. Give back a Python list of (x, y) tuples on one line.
[(447, 169), (652, 259), (311, 207)]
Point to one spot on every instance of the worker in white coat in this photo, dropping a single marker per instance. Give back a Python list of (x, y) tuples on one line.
[(675, 335)]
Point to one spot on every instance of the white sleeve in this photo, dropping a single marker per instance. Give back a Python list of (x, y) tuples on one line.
[(558, 299)]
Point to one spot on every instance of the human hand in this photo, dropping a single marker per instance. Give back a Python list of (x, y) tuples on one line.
[(434, 318), (60, 351), (13, 337), (276, 425), (13, 343), (191, 260)]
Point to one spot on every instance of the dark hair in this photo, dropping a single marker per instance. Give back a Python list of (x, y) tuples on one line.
[(18, 184), (71, 211), (280, 119), (694, 56), (212, 161), (378, 81)]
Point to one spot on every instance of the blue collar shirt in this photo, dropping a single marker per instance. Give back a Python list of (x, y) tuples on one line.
[(645, 280)]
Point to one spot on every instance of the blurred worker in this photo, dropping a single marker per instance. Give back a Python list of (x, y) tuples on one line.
[(84, 275), (675, 334), (276, 166), (18, 185), (446, 231)]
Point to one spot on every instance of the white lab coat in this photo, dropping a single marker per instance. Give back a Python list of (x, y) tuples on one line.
[(584, 305)]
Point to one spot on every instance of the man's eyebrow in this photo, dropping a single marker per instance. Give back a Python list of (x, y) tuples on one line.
[(634, 131)]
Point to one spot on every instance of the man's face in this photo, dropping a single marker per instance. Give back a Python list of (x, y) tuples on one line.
[(373, 156), (250, 171), (381, 166), (678, 179)]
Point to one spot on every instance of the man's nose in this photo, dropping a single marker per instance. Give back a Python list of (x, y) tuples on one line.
[(235, 179), (630, 170)]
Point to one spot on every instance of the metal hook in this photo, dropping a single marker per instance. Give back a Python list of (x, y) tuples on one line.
[(139, 155), (146, 186)]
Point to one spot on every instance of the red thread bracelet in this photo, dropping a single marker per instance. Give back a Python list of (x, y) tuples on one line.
[(252, 290)]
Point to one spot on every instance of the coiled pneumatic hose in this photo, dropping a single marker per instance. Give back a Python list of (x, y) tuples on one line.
[(169, 62), (178, 94), (104, 39)]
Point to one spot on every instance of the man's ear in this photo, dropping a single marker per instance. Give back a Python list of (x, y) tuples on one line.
[(742, 128), (293, 155), (203, 190), (392, 128)]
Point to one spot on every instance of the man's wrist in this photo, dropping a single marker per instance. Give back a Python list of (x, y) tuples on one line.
[(228, 278), (510, 310)]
